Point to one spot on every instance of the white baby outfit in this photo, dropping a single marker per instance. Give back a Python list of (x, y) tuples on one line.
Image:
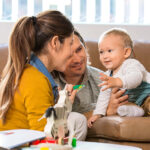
[(132, 73)]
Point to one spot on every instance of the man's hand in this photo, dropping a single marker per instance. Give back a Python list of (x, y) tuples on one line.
[(110, 82), (92, 120), (116, 100)]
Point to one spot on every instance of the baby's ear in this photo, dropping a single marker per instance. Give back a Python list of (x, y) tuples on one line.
[(127, 52)]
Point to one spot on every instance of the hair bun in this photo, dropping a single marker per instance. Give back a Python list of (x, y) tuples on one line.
[(34, 19)]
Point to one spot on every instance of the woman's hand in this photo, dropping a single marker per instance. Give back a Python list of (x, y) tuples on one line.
[(116, 100), (71, 92)]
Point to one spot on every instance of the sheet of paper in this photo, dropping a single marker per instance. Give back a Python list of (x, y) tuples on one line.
[(102, 146), (13, 138)]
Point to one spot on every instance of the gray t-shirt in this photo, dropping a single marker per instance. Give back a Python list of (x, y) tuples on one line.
[(86, 97)]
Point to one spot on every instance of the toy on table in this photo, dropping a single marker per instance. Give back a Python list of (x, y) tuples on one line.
[(52, 141), (56, 130), (74, 142), (57, 116), (58, 144)]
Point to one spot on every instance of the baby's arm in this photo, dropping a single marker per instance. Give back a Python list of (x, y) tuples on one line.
[(101, 106), (133, 73), (110, 82)]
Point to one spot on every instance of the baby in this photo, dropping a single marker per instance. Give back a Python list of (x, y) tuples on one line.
[(115, 48)]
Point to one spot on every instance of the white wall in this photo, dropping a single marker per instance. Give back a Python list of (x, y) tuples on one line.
[(88, 31), (93, 31), (5, 30)]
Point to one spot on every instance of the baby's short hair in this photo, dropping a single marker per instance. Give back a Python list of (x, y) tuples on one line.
[(119, 32)]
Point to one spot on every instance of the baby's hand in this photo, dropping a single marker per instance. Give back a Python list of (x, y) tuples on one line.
[(92, 120), (110, 82)]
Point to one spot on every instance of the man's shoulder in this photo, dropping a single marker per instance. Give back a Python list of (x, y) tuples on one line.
[(93, 74), (93, 70)]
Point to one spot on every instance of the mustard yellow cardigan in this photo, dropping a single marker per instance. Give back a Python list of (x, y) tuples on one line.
[(33, 97)]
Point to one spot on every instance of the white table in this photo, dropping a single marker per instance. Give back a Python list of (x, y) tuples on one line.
[(102, 146)]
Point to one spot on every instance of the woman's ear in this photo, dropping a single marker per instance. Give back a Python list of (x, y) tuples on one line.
[(55, 43), (127, 52)]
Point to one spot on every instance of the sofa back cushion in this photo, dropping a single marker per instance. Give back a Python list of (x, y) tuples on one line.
[(141, 50), (142, 53)]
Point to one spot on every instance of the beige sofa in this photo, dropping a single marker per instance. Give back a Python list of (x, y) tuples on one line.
[(114, 129), (133, 131)]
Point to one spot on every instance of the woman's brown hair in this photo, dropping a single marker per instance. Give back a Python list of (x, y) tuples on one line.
[(30, 34)]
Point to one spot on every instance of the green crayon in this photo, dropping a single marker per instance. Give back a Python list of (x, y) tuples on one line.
[(78, 87), (74, 142)]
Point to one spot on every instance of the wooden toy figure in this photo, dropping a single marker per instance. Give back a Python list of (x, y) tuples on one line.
[(57, 115)]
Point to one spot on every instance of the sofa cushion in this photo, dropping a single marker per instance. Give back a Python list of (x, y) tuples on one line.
[(92, 48), (122, 128), (142, 52)]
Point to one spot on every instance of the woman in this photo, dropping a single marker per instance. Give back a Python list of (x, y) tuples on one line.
[(26, 89)]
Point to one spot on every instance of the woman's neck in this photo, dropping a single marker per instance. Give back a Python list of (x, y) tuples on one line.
[(46, 61)]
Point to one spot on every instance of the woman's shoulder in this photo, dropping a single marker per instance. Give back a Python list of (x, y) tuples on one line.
[(30, 70), (33, 75)]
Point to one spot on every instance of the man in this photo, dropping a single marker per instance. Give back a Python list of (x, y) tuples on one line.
[(77, 72)]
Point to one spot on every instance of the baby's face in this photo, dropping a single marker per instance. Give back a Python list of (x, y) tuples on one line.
[(112, 52)]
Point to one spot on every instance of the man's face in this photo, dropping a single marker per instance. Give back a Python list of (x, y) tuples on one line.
[(77, 63)]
